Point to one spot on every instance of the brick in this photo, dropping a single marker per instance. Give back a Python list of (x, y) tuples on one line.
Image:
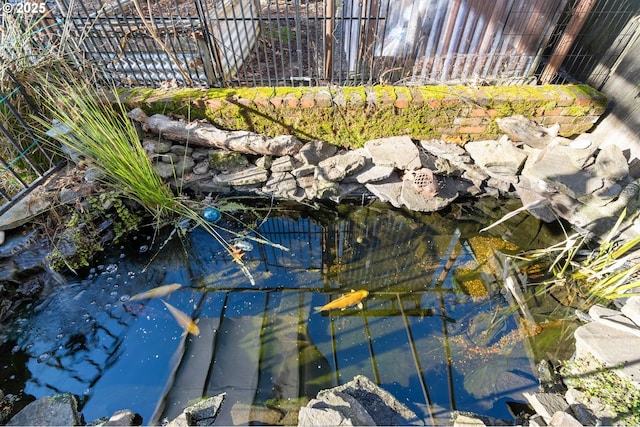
[(276, 101), (416, 96), (470, 121), (323, 99), (482, 112), (472, 129), (291, 101), (548, 112), (243, 101), (261, 101), (308, 100), (402, 100), (450, 101), (482, 97), (214, 104), (434, 103), (551, 120)]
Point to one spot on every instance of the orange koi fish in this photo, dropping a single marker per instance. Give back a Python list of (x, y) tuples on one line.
[(353, 298), (160, 291), (183, 320)]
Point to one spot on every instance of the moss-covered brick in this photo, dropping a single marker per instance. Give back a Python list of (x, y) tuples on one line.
[(350, 116)]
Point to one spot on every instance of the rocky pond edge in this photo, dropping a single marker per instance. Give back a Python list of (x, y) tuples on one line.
[(585, 182)]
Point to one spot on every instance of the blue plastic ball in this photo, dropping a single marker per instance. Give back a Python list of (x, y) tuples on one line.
[(211, 214)]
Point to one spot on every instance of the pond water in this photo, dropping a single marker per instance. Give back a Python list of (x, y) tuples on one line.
[(437, 329)]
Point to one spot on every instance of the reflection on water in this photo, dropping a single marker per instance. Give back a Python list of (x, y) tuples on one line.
[(435, 330)]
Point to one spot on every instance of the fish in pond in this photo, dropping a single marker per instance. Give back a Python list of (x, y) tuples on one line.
[(352, 298), (183, 320), (160, 291)]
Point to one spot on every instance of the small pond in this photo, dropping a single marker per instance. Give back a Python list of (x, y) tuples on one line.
[(437, 329)]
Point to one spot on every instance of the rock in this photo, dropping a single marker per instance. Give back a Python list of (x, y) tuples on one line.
[(611, 346), (204, 412), (582, 413), (282, 164), (372, 173), (227, 161), (462, 420), (499, 159), (57, 410), (249, 176), (201, 167), (334, 408), (562, 419), (124, 417), (546, 404), (383, 408), (398, 151), (309, 416), (281, 184), (324, 188), (27, 208), (611, 163), (631, 309), (519, 128), (387, 190), (313, 152), (614, 319), (336, 168)]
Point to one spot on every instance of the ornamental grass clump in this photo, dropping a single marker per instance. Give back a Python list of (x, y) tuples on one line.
[(97, 129), (607, 272)]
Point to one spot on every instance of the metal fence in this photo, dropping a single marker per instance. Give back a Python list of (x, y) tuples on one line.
[(595, 49), (345, 42), (25, 161)]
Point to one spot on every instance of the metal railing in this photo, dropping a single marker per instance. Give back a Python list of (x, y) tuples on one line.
[(206, 43), (25, 161)]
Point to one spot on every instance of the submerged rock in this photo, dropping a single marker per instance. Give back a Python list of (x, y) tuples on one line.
[(57, 410)]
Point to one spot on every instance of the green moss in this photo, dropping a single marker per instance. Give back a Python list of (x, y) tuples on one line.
[(351, 125), (577, 110)]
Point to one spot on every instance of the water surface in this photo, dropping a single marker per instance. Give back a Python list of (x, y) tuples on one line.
[(437, 329)]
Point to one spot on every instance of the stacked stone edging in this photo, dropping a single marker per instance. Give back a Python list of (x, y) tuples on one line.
[(350, 116)]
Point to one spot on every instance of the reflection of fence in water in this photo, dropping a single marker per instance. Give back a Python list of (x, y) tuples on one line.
[(270, 345)]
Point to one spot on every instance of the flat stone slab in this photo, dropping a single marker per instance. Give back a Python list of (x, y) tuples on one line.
[(546, 404), (24, 211), (498, 159), (397, 151), (610, 346), (631, 309), (250, 176), (387, 190), (614, 319)]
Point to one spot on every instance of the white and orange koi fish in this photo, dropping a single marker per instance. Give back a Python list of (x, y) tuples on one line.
[(352, 298), (160, 291), (183, 319)]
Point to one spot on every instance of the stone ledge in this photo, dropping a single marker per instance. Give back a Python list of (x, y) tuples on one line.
[(349, 116)]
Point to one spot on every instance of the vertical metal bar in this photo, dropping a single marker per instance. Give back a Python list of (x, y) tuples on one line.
[(561, 49), (416, 359), (296, 7), (260, 28), (328, 39), (372, 356)]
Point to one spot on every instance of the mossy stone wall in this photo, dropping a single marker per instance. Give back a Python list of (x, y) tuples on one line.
[(350, 116)]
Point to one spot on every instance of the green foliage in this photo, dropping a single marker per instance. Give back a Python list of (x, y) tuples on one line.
[(603, 384), (606, 272)]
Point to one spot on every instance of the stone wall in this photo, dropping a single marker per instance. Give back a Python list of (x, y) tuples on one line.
[(349, 117)]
